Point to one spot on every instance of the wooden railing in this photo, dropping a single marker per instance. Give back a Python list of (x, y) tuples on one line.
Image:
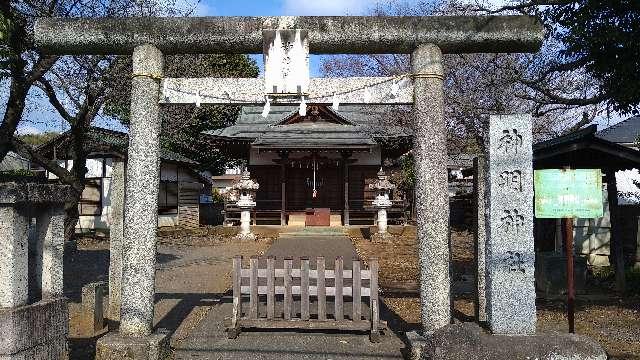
[(283, 286)]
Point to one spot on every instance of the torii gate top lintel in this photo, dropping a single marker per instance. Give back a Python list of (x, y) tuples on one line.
[(327, 34)]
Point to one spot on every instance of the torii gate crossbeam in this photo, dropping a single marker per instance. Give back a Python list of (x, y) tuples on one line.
[(327, 34)]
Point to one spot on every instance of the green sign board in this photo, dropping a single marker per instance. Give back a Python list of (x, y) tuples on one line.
[(568, 193)]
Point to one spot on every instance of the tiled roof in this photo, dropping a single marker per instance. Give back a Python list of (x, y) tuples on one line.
[(587, 132), (364, 123), (14, 161), (105, 140), (309, 136), (624, 132)]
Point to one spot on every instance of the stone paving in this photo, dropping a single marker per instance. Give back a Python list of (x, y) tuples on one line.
[(327, 242), (208, 340)]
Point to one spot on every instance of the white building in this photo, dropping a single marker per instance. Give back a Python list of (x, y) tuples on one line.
[(180, 184)]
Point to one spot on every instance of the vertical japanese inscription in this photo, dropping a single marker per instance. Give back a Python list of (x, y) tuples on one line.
[(511, 180), (509, 253), (510, 141)]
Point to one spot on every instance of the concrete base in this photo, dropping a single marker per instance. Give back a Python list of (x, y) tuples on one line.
[(470, 342), (93, 320), (297, 219), (36, 331), (417, 345), (114, 346)]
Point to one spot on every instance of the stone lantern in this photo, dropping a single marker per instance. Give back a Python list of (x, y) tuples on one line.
[(246, 191), (382, 187)]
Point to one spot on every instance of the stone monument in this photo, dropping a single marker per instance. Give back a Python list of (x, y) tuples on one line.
[(382, 187), (510, 256), (246, 189), (33, 311)]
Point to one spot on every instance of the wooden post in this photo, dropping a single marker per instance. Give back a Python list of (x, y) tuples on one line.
[(304, 288), (271, 291), (237, 303), (288, 297), (322, 296), (616, 238), (571, 295), (253, 285), (283, 183), (373, 297), (345, 170), (637, 258), (338, 273), (356, 283)]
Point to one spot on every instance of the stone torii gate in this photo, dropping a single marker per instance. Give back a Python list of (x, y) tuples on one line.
[(148, 39)]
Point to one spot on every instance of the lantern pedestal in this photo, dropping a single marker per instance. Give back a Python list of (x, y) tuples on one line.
[(246, 189), (245, 233), (382, 202)]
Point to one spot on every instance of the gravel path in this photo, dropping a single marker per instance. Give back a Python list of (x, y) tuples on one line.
[(298, 245), (190, 280), (208, 339)]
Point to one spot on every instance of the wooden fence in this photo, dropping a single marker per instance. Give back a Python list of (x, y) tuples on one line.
[(282, 286)]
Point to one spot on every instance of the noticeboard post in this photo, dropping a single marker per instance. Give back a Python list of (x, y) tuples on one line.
[(568, 194)]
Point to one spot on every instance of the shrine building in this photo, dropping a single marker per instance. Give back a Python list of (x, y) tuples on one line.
[(318, 164)]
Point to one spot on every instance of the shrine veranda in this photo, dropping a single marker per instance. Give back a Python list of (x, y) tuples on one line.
[(287, 82)]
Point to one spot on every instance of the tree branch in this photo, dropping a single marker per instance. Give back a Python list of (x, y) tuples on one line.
[(43, 65), (46, 86), (558, 99), (63, 174), (526, 5)]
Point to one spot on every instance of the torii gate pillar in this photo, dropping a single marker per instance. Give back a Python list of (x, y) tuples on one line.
[(432, 201), (135, 339)]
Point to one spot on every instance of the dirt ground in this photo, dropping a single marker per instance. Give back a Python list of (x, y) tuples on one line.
[(192, 274), (612, 320)]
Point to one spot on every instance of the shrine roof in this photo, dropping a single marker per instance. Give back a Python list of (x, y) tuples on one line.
[(310, 136), (100, 140), (624, 132), (584, 149), (351, 125)]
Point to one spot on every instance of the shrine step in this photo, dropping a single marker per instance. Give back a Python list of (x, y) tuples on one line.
[(316, 230)]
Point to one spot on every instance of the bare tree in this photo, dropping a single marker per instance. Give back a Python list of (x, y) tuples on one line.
[(477, 85), (76, 86)]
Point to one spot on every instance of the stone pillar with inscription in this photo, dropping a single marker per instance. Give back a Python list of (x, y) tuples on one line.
[(511, 307)]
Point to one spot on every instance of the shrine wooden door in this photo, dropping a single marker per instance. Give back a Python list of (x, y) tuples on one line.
[(329, 189)]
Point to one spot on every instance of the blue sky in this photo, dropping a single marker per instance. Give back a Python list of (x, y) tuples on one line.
[(40, 116)]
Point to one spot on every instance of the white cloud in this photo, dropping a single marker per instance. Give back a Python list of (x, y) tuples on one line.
[(327, 7)]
